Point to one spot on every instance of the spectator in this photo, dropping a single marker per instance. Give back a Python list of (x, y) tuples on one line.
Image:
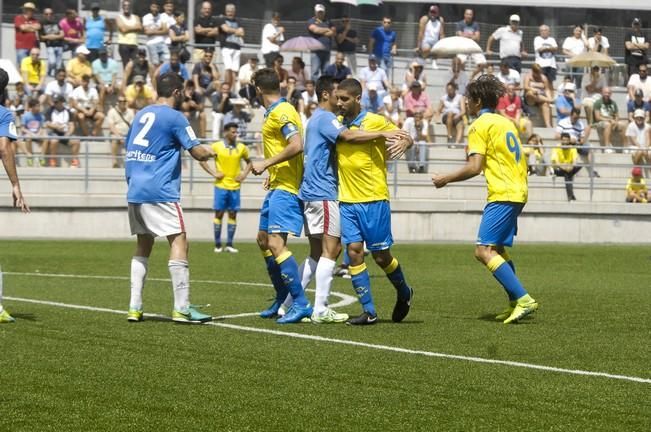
[(637, 135), (538, 92), (322, 30), (138, 94), (310, 109), (138, 66), (374, 75), (155, 27), (239, 116), (598, 42), (457, 75), (607, 122), (383, 45), (282, 72), (488, 70), (173, 65), (567, 101), (545, 48), (431, 29), (52, 35), (105, 71), (232, 43), (414, 73), (347, 40), (168, 18), (469, 29), (394, 106), (221, 105), (596, 82), (639, 80), (292, 94), (508, 75), (636, 45), (95, 27), (33, 129), (638, 103), (309, 94), (298, 71), (579, 134), (205, 74), (417, 100), (417, 127), (535, 154), (564, 164), (179, 36), (511, 48), (636, 190), (273, 35), (193, 106), (119, 118), (60, 125), (129, 26), (451, 110), (338, 70), (73, 31), (206, 31), (572, 47), (371, 101), (18, 100), (27, 28), (244, 76), (79, 66), (510, 106), (34, 71), (85, 101), (58, 87)]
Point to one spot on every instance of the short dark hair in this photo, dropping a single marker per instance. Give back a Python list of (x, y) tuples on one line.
[(4, 80), (267, 80), (352, 86), (32, 103), (85, 77), (326, 84), (229, 125), (167, 83), (309, 82), (487, 89), (58, 71), (565, 135)]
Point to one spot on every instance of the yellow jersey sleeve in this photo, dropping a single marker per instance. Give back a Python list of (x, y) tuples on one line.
[(282, 121)]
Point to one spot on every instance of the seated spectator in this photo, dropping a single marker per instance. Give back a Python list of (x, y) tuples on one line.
[(33, 71), (567, 101), (307, 114), (538, 93), (139, 66), (373, 74), (596, 82), (418, 128), (79, 66), (205, 74), (60, 125), (457, 74), (637, 135), (298, 72), (506, 75), (579, 133), (564, 164), (139, 94), (221, 105), (606, 119), (58, 87), (371, 100), (338, 70), (394, 107), (292, 94), (239, 115), (535, 154), (487, 70), (173, 65), (636, 190), (282, 72), (309, 94), (18, 100), (510, 106), (640, 80), (451, 110), (638, 103), (105, 70), (85, 101), (119, 118), (192, 107), (179, 37), (33, 129), (246, 89), (417, 100), (414, 73)]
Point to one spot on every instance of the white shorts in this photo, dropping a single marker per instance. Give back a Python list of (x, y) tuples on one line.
[(322, 217), (477, 58), (156, 219), (428, 42), (231, 59)]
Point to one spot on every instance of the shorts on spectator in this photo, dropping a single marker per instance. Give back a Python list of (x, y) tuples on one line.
[(428, 43), (158, 53), (477, 58), (156, 219), (231, 59), (444, 118), (322, 217)]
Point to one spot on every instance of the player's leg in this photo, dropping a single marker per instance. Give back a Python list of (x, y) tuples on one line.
[(139, 267), (4, 315), (52, 150), (393, 270), (74, 152), (233, 208), (217, 229), (98, 119)]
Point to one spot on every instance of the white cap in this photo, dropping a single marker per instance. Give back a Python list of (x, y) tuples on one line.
[(371, 87), (569, 86), (238, 101), (81, 49), (319, 8), (638, 113), (514, 17)]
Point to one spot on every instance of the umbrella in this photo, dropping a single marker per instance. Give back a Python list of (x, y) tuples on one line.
[(451, 46), (358, 2), (302, 43), (591, 58), (14, 75)]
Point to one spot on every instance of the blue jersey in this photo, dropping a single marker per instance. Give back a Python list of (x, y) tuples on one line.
[(154, 142), (7, 125), (320, 163)]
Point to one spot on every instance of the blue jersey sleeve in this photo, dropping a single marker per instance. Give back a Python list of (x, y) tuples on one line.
[(184, 133), (330, 128), (7, 125)]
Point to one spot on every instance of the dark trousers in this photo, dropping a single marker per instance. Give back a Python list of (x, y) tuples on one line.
[(514, 62), (569, 180), (127, 52), (269, 58)]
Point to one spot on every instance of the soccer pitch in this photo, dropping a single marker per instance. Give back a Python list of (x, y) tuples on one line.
[(73, 362)]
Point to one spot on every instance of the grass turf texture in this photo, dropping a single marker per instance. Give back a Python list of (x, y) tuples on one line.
[(64, 369)]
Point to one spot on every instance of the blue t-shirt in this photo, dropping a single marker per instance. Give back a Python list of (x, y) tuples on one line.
[(564, 103), (371, 104), (95, 32), (33, 122), (182, 72), (383, 41), (630, 106), (153, 154), (320, 158), (7, 124), (105, 70)]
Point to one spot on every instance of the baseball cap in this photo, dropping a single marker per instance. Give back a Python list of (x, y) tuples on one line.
[(636, 172), (514, 17), (238, 101), (638, 113), (372, 87), (29, 5), (569, 87), (372, 57), (638, 92), (319, 8), (81, 49), (138, 79)]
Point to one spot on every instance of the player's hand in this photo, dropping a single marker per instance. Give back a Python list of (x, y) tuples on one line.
[(396, 147), (219, 175), (439, 180), (259, 167), (266, 184), (240, 178), (19, 201)]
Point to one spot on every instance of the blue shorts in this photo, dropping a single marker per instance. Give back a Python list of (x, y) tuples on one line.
[(226, 200), (368, 222), (499, 224), (282, 212)]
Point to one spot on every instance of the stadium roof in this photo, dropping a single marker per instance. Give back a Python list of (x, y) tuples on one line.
[(632, 5)]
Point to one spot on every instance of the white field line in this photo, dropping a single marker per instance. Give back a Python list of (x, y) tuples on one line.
[(365, 345)]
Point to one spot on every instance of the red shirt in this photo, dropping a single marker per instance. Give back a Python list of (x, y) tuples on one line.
[(509, 106), (413, 103), (25, 39)]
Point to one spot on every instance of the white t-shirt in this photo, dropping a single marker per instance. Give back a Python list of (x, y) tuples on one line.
[(393, 109), (269, 30), (510, 41), (636, 83), (307, 99), (378, 76), (54, 89), (245, 73), (85, 98), (512, 78), (156, 23), (633, 131), (451, 105), (546, 59), (576, 130), (574, 45), (410, 127), (170, 21), (604, 43)]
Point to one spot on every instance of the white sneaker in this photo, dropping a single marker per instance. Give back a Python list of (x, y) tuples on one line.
[(434, 65), (218, 250), (342, 272), (231, 249), (329, 316)]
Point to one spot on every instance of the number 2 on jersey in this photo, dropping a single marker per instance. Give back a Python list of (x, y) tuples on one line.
[(513, 145), (148, 120)]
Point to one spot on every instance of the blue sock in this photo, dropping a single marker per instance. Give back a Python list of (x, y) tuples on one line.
[(397, 278), (362, 286), (506, 277), (291, 278), (508, 260), (217, 227), (231, 232), (276, 279)]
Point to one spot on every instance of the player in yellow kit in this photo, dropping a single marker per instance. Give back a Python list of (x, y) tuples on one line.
[(494, 147)]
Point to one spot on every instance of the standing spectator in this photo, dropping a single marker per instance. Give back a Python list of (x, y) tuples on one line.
[(73, 31), (596, 82), (538, 92), (298, 72), (414, 73), (273, 35), (507, 75), (511, 48), (59, 87), (545, 48), (338, 70), (95, 27), (451, 110), (173, 65), (417, 100), (79, 66), (579, 134), (192, 107), (244, 76), (221, 105), (206, 31), (567, 101), (606, 119), (155, 27), (322, 30), (417, 127), (598, 42), (636, 45), (383, 43), (139, 94), (347, 40), (52, 35), (638, 103), (105, 71), (431, 29), (640, 80), (372, 74), (33, 128), (239, 116), (564, 164), (309, 94), (510, 106), (636, 189), (232, 43), (469, 29), (179, 37), (572, 47), (371, 101), (168, 18), (205, 74), (60, 125), (394, 106), (85, 101), (33, 71), (129, 26), (138, 66), (637, 135), (119, 119), (27, 28)]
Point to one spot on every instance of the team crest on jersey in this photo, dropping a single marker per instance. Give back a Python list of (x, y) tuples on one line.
[(284, 118)]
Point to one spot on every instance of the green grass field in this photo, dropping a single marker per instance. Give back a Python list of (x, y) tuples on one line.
[(67, 369)]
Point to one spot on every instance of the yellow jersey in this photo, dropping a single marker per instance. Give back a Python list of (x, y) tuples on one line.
[(33, 71), (281, 122), (228, 161), (362, 167), (635, 186), (505, 165), (564, 156)]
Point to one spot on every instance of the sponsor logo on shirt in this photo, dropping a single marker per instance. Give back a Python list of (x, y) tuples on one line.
[(139, 156)]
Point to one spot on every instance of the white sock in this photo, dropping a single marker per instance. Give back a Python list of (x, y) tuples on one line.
[(324, 271), (138, 276), (306, 270), (180, 274)]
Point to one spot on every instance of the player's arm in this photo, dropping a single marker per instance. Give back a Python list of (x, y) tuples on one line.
[(202, 152), (9, 162), (207, 168), (471, 169), (421, 31), (294, 147), (245, 172), (360, 137)]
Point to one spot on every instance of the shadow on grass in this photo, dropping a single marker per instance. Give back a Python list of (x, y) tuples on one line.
[(491, 318), (25, 316)]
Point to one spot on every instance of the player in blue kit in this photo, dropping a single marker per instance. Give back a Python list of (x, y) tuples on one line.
[(8, 134), (154, 143)]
